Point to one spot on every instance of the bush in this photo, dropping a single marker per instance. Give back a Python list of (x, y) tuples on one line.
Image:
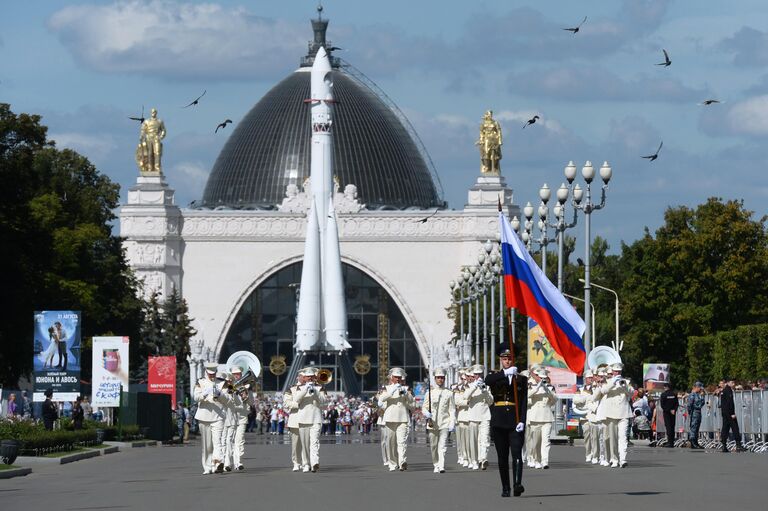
[(741, 353)]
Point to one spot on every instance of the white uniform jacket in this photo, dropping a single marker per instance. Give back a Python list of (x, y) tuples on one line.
[(615, 401), (210, 400), (478, 403), (397, 405), (462, 406), (305, 407), (443, 408), (540, 401), (585, 399), (237, 410)]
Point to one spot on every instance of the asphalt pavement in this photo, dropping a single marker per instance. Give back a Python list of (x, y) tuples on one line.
[(352, 476)]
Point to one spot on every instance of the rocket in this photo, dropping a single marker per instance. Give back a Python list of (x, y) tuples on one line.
[(322, 316)]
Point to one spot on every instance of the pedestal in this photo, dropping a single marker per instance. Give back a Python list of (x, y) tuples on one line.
[(486, 194)]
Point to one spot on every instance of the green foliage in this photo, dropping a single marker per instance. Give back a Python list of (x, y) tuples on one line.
[(741, 353), (58, 250), (703, 272)]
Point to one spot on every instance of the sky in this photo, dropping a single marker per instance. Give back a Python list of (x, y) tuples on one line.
[(86, 66)]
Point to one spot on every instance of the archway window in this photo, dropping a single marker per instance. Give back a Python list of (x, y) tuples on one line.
[(266, 326)]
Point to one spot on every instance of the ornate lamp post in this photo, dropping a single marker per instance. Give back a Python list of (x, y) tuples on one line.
[(588, 173), (560, 225), (617, 345)]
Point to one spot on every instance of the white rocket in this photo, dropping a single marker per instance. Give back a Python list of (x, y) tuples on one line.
[(322, 316)]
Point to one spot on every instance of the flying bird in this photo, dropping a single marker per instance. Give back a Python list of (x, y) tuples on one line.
[(140, 119), (334, 48), (424, 220), (223, 125), (654, 155), (666, 62), (196, 101), (532, 120), (577, 27), (708, 102)]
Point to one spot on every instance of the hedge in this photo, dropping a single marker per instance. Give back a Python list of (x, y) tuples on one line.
[(36, 440), (741, 354)]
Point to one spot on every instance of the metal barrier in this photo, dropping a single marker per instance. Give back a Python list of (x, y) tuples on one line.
[(751, 415)]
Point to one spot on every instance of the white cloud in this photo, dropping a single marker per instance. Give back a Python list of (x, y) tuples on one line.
[(178, 39), (189, 176), (749, 117), (94, 147)]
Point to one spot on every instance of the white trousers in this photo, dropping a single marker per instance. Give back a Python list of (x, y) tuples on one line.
[(397, 443), (621, 432), (483, 440), (601, 439), (540, 432), (528, 443), (462, 439), (437, 444), (591, 447), (218, 433), (206, 440), (296, 449), (309, 442), (384, 443), (613, 437), (235, 445), (471, 441)]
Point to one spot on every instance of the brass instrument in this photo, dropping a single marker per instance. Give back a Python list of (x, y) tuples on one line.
[(324, 377)]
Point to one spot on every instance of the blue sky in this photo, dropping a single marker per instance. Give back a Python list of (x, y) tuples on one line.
[(85, 66)]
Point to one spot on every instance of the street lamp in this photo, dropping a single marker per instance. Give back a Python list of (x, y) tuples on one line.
[(617, 346), (588, 173), (560, 227)]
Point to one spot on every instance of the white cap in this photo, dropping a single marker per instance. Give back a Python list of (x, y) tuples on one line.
[(477, 368), (540, 372), (438, 372), (525, 373), (308, 371), (211, 367), (587, 374), (618, 366), (397, 371), (235, 369)]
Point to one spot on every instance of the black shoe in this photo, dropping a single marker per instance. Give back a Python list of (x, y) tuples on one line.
[(545, 467), (505, 492), (740, 449), (724, 449), (519, 489)]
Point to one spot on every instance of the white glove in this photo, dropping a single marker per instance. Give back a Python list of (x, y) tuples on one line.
[(427, 415), (520, 427), (451, 429), (216, 392), (381, 404)]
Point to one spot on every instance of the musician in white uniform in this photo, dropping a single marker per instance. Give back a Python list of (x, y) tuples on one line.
[(210, 418), (440, 411), (541, 399), (306, 403), (462, 419), (599, 420), (583, 407), (616, 410), (478, 398), (383, 431), (236, 421), (398, 402), (293, 423)]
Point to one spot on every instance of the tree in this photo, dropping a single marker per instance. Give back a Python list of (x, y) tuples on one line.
[(704, 271), (58, 248)]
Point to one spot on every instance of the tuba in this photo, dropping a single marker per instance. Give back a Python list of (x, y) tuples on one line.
[(250, 376)]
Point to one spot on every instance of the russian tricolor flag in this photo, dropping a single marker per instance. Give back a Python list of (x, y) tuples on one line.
[(529, 291)]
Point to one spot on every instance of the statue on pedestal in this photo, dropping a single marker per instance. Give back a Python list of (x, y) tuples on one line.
[(150, 149), (490, 145)]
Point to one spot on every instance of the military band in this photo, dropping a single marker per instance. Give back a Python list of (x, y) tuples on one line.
[(541, 399), (440, 411), (305, 402), (211, 398)]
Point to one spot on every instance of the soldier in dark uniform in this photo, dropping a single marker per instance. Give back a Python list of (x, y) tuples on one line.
[(668, 401), (695, 404), (510, 405)]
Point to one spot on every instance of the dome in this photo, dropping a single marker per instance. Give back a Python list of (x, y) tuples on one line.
[(270, 148)]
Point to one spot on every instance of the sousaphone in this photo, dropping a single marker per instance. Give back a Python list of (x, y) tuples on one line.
[(603, 355), (251, 365)]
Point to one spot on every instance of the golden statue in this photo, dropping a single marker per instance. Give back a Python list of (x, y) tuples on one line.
[(150, 149), (490, 145)]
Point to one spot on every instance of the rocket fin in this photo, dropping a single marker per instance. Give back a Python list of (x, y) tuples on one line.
[(334, 300), (308, 319)]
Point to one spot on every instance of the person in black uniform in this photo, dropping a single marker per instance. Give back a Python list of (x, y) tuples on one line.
[(728, 409), (510, 405), (50, 412), (668, 402)]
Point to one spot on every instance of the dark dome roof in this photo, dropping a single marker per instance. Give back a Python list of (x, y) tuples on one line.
[(269, 149)]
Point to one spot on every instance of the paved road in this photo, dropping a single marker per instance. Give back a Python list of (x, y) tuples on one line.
[(169, 477)]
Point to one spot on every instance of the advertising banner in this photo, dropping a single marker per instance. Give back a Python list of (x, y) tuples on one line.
[(655, 376), (541, 352), (161, 377), (56, 355), (110, 370)]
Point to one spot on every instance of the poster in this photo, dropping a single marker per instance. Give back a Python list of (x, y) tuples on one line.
[(56, 355), (541, 352), (655, 376), (161, 377), (110, 370)]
